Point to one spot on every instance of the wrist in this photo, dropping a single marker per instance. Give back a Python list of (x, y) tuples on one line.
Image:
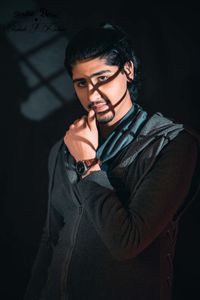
[(92, 169), (83, 166)]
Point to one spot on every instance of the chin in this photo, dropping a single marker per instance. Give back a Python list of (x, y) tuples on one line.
[(103, 119)]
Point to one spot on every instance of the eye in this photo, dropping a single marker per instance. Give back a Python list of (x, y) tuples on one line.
[(81, 84), (102, 78)]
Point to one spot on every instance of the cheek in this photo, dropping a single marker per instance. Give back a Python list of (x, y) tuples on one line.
[(82, 98), (115, 90)]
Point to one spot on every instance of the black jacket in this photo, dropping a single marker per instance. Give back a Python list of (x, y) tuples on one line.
[(112, 234)]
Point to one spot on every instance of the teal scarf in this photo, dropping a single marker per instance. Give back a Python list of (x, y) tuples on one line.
[(123, 134)]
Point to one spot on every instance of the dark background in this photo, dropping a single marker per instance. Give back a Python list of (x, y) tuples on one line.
[(37, 105)]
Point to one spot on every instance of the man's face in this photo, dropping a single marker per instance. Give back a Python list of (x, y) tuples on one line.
[(103, 88)]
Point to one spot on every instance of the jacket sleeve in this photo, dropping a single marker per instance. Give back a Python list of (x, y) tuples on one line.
[(126, 232), (42, 261)]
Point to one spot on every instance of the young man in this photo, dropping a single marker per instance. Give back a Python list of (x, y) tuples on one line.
[(119, 181)]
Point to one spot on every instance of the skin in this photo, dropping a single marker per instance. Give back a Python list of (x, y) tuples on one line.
[(102, 91)]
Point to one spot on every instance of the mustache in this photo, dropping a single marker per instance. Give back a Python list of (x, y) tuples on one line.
[(108, 102), (92, 104)]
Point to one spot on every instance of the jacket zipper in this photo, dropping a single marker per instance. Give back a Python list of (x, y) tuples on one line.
[(69, 255)]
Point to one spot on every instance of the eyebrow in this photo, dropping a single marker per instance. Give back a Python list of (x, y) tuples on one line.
[(93, 75)]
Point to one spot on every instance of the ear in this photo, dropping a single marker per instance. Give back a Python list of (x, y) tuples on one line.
[(129, 70)]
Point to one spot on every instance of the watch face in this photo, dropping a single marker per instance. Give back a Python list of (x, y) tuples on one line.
[(81, 168)]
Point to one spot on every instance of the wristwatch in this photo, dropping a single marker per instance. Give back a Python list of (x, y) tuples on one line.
[(82, 166)]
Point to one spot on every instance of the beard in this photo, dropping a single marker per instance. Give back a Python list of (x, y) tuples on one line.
[(105, 117)]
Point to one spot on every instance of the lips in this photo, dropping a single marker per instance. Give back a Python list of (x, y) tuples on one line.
[(100, 107)]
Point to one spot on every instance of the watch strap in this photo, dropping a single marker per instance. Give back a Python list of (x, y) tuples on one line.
[(91, 162), (82, 166)]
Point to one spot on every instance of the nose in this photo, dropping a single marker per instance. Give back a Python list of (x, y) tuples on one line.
[(93, 93)]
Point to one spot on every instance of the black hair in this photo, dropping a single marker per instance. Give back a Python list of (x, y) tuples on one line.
[(105, 41)]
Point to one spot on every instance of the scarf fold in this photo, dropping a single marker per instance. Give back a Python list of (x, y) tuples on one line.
[(124, 133)]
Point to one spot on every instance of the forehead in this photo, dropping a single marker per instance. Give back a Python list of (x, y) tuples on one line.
[(87, 67)]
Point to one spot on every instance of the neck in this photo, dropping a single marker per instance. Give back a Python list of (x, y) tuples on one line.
[(107, 128)]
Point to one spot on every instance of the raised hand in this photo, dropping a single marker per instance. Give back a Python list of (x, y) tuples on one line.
[(82, 137)]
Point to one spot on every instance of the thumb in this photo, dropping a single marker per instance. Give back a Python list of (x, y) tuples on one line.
[(92, 120)]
